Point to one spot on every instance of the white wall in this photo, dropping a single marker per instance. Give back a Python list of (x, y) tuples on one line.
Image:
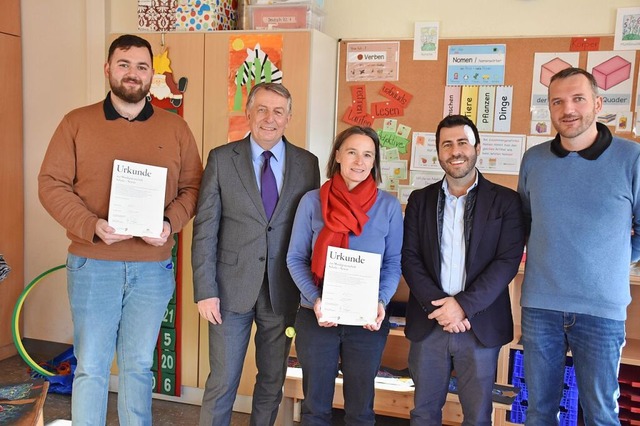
[(64, 50), (57, 38), (471, 18)]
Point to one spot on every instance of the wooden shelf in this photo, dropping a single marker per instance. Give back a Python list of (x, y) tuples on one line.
[(631, 352), (397, 331)]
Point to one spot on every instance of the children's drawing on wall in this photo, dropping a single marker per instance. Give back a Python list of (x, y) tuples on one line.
[(253, 59), (627, 35), (425, 41), (165, 92)]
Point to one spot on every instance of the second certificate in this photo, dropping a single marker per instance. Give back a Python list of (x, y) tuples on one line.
[(350, 289)]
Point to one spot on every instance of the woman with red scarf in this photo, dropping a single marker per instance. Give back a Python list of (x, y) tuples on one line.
[(350, 212)]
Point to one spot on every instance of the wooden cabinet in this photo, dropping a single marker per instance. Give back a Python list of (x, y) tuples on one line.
[(10, 17), (308, 68), (11, 170)]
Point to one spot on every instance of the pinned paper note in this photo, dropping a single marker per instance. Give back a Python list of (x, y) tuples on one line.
[(394, 137), (390, 139), (486, 101), (613, 72), (451, 101), (503, 109), (396, 94), (351, 117), (476, 64), (404, 131), (389, 125), (469, 102), (425, 41), (359, 99), (544, 67), (423, 152), (373, 61), (386, 109)]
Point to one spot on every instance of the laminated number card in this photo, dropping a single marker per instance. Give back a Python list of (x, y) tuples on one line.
[(350, 289), (136, 206)]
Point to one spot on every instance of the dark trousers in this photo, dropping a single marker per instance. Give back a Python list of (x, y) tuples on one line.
[(228, 344), (431, 361), (319, 350)]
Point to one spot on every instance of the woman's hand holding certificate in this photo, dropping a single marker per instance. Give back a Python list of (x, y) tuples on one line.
[(350, 288)]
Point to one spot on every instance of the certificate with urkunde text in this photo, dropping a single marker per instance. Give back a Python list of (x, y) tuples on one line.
[(136, 205), (350, 288)]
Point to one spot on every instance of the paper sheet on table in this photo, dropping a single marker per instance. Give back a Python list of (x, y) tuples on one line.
[(136, 206), (350, 289)]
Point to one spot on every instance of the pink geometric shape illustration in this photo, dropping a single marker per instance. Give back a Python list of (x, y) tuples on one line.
[(611, 72), (550, 68)]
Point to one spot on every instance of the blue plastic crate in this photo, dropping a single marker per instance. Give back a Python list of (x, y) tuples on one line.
[(518, 364), (568, 404), (518, 413), (569, 418), (569, 397), (523, 395), (570, 376)]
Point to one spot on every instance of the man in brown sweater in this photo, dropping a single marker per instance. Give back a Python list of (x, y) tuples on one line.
[(119, 285)]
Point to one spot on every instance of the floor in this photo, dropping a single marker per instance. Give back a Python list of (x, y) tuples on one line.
[(165, 413)]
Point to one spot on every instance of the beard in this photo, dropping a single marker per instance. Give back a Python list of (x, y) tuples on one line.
[(574, 131), (130, 95), (459, 172)]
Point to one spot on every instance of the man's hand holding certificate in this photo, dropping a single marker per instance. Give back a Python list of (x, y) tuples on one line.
[(350, 289), (136, 206)]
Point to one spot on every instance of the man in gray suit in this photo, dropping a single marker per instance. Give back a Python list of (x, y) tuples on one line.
[(239, 255)]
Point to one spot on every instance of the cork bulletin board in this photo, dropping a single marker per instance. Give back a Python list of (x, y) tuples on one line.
[(425, 81)]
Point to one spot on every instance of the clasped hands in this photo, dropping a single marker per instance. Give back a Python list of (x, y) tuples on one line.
[(450, 315)]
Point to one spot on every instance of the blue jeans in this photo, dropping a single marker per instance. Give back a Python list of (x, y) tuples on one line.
[(319, 349), (596, 347), (431, 361), (115, 306)]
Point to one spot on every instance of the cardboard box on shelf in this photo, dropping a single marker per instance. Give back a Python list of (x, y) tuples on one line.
[(290, 16)]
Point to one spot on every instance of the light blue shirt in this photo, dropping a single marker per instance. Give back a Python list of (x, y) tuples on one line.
[(452, 246), (277, 162)]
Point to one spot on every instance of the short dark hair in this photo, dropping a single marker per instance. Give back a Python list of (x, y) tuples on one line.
[(333, 166), (271, 87), (455, 121), (127, 41), (570, 72)]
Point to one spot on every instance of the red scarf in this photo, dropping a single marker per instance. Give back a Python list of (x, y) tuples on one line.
[(343, 211)]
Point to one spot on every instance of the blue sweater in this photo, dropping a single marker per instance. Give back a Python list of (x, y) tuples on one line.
[(580, 216), (381, 234)]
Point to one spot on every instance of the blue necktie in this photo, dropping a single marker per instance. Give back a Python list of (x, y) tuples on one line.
[(268, 186)]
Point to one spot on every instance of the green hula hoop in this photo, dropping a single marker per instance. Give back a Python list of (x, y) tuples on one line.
[(16, 322)]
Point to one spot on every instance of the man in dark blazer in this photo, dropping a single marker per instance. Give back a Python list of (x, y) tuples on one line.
[(240, 274), (463, 243)]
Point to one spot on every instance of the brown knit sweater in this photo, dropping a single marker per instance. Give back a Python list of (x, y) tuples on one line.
[(75, 178)]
